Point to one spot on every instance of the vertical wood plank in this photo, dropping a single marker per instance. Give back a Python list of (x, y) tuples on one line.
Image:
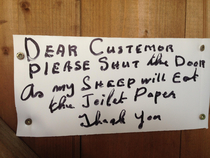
[(7, 108), (207, 18), (123, 18), (40, 17), (196, 143), (195, 19)]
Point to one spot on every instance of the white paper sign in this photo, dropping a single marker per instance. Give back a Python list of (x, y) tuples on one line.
[(96, 85)]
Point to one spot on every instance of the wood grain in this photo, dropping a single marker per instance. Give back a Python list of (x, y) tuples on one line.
[(195, 19), (207, 18), (123, 18), (11, 146), (7, 108), (196, 143), (150, 144), (112, 18), (40, 17)]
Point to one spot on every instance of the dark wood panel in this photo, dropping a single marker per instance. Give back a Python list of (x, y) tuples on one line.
[(142, 145)]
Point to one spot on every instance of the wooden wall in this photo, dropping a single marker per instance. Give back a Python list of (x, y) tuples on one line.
[(104, 18)]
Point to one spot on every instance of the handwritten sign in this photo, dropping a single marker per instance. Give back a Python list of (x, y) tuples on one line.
[(96, 85)]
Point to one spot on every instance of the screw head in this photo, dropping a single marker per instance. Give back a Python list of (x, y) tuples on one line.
[(28, 121), (20, 55), (202, 116), (202, 48)]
